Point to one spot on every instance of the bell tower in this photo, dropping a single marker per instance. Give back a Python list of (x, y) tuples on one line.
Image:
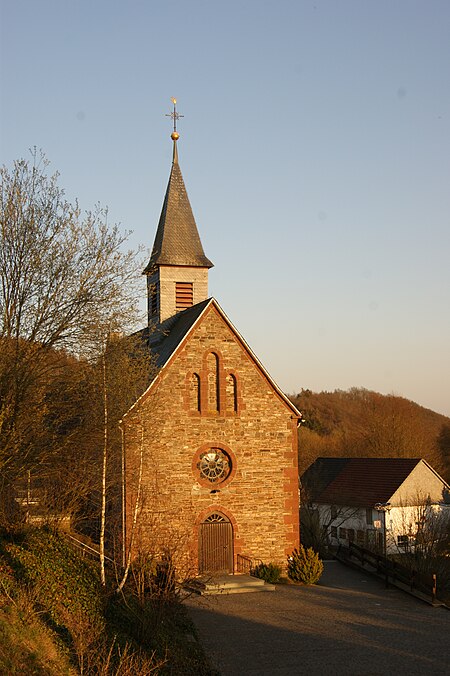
[(177, 273)]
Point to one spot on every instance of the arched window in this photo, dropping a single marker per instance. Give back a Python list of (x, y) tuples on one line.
[(194, 393), (212, 365), (231, 393)]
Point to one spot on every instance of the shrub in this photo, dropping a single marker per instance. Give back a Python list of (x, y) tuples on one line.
[(269, 572), (305, 566)]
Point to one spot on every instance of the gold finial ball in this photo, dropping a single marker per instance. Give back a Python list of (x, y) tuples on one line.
[(174, 136)]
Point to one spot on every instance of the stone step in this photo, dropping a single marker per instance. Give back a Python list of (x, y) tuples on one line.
[(230, 581), (244, 589), (229, 584)]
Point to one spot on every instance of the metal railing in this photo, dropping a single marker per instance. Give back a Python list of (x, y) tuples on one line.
[(245, 565), (86, 550)]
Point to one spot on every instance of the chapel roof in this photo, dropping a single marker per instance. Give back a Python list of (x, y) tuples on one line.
[(177, 241), (166, 337), (356, 482)]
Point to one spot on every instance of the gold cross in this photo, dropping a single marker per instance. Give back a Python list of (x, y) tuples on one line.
[(174, 115)]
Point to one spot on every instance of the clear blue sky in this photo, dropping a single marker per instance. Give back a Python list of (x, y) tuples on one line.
[(315, 148)]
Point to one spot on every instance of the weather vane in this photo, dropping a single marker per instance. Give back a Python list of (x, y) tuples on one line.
[(175, 116)]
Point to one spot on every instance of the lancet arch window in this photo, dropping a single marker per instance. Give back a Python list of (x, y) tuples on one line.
[(213, 382), (231, 393), (194, 393), (212, 390)]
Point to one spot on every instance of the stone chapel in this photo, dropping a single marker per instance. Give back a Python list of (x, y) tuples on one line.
[(210, 448)]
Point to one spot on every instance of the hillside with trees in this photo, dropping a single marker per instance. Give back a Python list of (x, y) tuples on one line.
[(362, 423), (68, 291)]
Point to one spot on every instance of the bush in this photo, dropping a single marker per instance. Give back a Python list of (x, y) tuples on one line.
[(269, 572), (304, 566)]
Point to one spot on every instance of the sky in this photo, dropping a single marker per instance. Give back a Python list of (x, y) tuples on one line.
[(315, 148)]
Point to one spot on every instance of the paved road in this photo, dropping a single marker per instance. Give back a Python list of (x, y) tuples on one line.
[(348, 625)]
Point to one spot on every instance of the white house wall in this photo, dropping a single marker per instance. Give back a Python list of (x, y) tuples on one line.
[(421, 484), (400, 521), (348, 518)]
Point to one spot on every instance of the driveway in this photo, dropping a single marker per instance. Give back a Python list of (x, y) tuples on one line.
[(348, 625)]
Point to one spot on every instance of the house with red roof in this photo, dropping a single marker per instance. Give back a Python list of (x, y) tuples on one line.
[(376, 502)]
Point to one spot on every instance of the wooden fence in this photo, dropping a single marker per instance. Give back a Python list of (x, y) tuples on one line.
[(392, 570)]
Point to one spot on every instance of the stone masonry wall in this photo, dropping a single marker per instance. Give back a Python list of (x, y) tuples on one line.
[(169, 275), (258, 430)]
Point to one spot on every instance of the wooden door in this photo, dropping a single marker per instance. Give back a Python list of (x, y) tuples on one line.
[(215, 545)]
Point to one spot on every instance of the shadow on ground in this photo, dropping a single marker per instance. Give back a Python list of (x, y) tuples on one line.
[(349, 624)]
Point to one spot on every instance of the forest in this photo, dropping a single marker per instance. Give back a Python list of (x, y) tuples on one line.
[(362, 423)]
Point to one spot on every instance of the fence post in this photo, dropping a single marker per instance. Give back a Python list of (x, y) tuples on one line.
[(413, 575), (433, 595)]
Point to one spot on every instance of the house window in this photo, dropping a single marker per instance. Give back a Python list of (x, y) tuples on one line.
[(371, 538), (334, 512), (333, 532), (403, 541), (343, 533), (184, 295), (350, 534), (369, 517), (360, 539)]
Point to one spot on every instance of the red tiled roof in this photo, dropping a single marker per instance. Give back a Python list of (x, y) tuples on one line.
[(361, 482)]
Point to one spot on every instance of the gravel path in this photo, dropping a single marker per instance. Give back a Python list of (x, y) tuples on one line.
[(348, 625)]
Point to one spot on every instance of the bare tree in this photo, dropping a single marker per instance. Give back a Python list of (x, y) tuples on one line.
[(136, 508), (65, 280), (423, 531), (316, 521), (126, 369)]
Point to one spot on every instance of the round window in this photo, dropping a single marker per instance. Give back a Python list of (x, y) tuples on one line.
[(214, 465)]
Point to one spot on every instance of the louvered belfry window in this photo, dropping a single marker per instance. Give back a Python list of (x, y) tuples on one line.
[(184, 295)]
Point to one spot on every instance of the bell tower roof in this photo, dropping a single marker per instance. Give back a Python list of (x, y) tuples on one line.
[(177, 241)]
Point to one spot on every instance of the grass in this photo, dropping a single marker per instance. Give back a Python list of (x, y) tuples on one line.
[(56, 618), (27, 646)]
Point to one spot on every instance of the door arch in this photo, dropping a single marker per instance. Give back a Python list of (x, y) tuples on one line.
[(215, 544)]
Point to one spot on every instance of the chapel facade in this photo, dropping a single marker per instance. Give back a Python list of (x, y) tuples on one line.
[(210, 449)]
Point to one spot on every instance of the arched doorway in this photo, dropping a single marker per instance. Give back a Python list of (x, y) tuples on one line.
[(215, 545)]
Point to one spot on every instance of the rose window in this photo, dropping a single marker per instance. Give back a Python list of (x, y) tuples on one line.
[(214, 465)]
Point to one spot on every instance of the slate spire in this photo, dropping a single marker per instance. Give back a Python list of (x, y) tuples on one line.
[(177, 273), (177, 241)]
